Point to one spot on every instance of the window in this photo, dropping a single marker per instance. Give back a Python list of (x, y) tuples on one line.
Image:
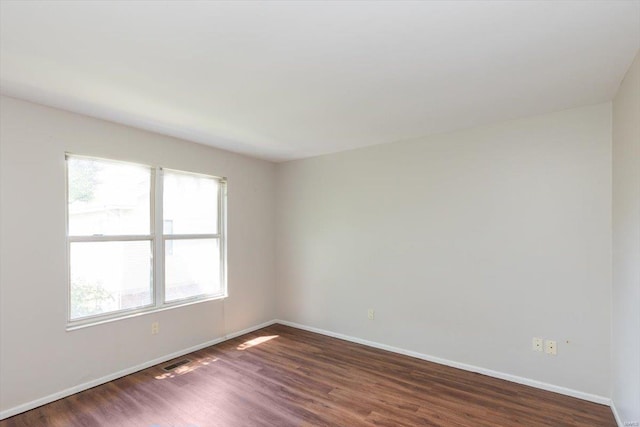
[(141, 238)]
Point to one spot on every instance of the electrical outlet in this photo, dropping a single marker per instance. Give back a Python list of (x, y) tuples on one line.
[(155, 328), (371, 314), (550, 347), (536, 344)]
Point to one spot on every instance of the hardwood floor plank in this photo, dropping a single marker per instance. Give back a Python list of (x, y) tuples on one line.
[(282, 376)]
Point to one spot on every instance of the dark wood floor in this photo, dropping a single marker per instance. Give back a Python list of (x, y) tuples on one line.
[(281, 376)]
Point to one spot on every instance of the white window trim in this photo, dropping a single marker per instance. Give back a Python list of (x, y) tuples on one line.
[(157, 239)]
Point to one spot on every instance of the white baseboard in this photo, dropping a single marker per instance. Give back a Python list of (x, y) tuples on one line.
[(471, 368), (615, 414), (76, 389), (618, 418), (496, 374)]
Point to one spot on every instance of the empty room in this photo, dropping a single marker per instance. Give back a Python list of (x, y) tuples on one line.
[(319, 213)]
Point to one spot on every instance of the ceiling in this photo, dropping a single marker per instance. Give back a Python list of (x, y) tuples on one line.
[(287, 80)]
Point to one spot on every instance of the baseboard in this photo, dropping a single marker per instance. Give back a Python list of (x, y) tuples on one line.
[(466, 367), (615, 414), (471, 368), (618, 418), (76, 389)]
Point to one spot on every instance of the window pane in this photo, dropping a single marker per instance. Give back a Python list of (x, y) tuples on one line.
[(190, 204), (109, 276), (108, 198), (192, 268)]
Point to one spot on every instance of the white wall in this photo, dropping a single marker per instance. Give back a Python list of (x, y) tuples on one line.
[(37, 356), (626, 247), (467, 245)]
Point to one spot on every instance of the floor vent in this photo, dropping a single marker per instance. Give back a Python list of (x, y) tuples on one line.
[(176, 364)]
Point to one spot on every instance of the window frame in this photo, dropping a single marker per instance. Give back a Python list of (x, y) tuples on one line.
[(157, 240)]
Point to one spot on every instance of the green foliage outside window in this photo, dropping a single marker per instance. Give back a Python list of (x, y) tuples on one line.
[(88, 299)]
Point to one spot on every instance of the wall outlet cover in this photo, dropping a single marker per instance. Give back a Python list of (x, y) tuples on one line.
[(536, 344), (551, 347)]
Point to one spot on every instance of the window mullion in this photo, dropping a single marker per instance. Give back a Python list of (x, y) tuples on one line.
[(110, 238), (190, 236), (158, 264), (222, 231)]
